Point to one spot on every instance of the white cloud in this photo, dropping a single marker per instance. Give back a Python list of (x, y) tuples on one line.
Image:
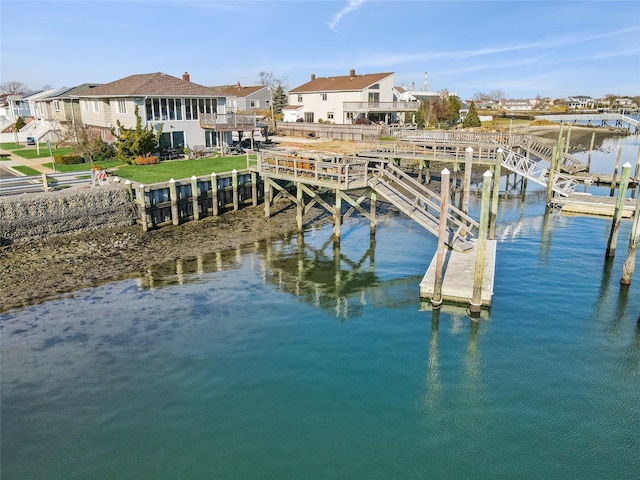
[(351, 6)]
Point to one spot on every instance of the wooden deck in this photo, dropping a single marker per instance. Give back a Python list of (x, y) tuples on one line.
[(457, 283), (587, 204)]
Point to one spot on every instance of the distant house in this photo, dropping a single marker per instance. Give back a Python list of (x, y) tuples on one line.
[(515, 105), (245, 99), (175, 104), (579, 102), (293, 113), (24, 104), (344, 99)]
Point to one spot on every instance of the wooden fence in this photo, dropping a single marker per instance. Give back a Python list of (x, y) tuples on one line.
[(178, 201), (331, 131)]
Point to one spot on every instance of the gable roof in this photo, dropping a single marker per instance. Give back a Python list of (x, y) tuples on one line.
[(66, 92), (341, 84), (159, 84), (238, 90)]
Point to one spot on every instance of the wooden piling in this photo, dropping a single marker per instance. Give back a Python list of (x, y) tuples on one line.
[(372, 223), (194, 197), (337, 217), (214, 194), (299, 206), (142, 203), (254, 189), (496, 194), (476, 299), (593, 139), (614, 178), (566, 144), (267, 197), (554, 155), (468, 158), (234, 186), (617, 215), (436, 299), (173, 196), (129, 186), (629, 264)]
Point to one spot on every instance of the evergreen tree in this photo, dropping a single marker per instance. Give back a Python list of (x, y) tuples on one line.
[(472, 119), (454, 105), (279, 100), (131, 142), (19, 123)]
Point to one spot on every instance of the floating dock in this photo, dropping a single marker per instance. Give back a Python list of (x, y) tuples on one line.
[(587, 204), (459, 268)]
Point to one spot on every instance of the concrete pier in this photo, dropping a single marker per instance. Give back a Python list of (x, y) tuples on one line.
[(457, 284)]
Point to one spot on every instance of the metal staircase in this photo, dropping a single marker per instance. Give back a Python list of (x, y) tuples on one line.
[(421, 204), (532, 170)]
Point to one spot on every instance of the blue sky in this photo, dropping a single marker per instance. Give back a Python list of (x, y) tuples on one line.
[(525, 49)]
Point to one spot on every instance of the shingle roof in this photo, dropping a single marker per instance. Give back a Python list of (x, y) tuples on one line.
[(238, 90), (66, 92), (341, 83), (159, 84)]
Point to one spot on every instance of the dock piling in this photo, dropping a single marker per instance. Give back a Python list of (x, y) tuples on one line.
[(629, 264), (436, 300), (468, 158), (173, 196), (496, 194), (617, 215), (476, 300), (194, 197), (614, 178)]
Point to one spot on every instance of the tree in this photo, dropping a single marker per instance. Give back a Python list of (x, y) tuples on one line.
[(92, 147), (472, 119), (268, 79), (497, 95), (454, 105), (131, 142), (440, 110), (13, 87), (19, 123), (279, 100)]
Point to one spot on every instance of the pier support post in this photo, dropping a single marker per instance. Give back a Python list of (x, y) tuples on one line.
[(267, 197), (129, 186), (496, 194), (143, 208), (617, 215), (593, 139), (468, 158), (299, 206), (372, 223), (436, 300), (554, 155), (614, 178), (214, 194), (254, 189), (173, 196), (481, 247), (234, 187), (194, 197), (629, 264), (337, 217), (566, 145)]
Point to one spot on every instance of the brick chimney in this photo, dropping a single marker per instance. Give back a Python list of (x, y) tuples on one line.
[(185, 77), (352, 72), (313, 77), (238, 85)]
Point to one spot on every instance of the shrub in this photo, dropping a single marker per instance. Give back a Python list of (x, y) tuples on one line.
[(146, 160), (68, 159)]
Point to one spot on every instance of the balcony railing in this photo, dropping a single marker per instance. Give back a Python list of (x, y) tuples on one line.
[(228, 121), (381, 106)]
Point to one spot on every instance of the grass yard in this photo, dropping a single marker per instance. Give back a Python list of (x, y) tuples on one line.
[(10, 146), (26, 170), (181, 169), (32, 153), (81, 167)]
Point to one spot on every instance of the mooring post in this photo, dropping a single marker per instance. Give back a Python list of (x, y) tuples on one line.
[(566, 145), (214, 194), (372, 223), (617, 214), (496, 194), (593, 139), (554, 155), (468, 159), (234, 187), (45, 182), (436, 300), (630, 262), (195, 194), (173, 196), (129, 186), (337, 217), (267, 197), (637, 169), (614, 178), (299, 206), (420, 169), (254, 189), (481, 247), (142, 202)]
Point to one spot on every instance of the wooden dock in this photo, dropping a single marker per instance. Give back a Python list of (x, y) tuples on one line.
[(587, 204), (457, 284)]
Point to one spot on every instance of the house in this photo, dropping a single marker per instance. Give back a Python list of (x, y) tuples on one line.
[(176, 105), (293, 113), (579, 102), (515, 105), (245, 99), (344, 99)]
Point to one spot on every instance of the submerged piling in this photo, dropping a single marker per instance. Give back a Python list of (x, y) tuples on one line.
[(617, 214)]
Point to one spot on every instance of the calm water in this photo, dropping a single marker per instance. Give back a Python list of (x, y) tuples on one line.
[(293, 359)]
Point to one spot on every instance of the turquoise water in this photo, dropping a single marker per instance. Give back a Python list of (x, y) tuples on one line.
[(294, 359)]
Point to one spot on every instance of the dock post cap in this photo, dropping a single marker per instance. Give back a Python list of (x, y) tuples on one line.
[(213, 174), (445, 171), (172, 181), (127, 182), (468, 149), (500, 150), (193, 177), (626, 165), (487, 174), (141, 185)]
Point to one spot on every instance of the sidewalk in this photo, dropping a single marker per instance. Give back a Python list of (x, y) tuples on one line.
[(10, 160)]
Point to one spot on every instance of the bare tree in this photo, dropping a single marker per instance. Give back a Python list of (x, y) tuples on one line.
[(268, 79), (496, 95), (13, 87)]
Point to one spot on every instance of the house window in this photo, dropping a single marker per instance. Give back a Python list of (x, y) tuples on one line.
[(300, 98), (330, 116), (374, 97), (56, 105), (96, 106), (255, 103), (308, 117), (375, 86), (324, 96), (85, 106), (122, 105)]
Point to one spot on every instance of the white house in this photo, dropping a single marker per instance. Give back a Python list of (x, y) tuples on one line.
[(344, 99), (245, 99)]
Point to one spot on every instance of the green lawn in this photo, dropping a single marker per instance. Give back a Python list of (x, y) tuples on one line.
[(81, 167), (10, 146), (181, 169), (26, 170), (32, 153)]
